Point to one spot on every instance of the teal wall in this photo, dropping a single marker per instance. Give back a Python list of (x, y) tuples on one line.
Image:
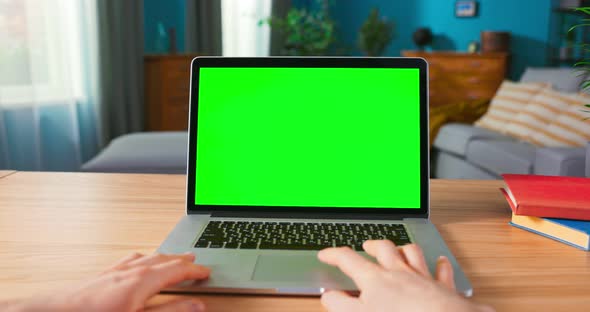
[(528, 20), (171, 13)]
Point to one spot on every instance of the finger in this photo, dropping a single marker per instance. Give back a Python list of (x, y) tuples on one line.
[(444, 272), (150, 280), (123, 262), (160, 258), (349, 262), (485, 308), (415, 259), (182, 305), (385, 253), (339, 301)]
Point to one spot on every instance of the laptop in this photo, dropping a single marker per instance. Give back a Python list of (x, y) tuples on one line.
[(288, 156)]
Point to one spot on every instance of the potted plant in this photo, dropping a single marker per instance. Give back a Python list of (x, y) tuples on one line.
[(305, 32), (375, 34), (566, 52), (584, 67)]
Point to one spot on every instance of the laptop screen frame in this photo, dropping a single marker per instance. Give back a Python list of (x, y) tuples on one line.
[(309, 211)]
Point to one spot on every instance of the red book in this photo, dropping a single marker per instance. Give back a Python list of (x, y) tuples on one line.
[(548, 196)]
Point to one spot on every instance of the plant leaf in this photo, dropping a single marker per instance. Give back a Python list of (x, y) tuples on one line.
[(583, 9), (576, 26)]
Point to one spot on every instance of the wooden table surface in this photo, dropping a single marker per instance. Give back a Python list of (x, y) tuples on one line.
[(58, 228), (5, 173)]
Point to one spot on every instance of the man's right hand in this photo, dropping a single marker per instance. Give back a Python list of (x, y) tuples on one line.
[(400, 281)]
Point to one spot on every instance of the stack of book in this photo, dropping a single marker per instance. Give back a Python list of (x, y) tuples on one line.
[(555, 207)]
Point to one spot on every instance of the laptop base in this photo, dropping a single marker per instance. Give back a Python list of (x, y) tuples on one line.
[(286, 272)]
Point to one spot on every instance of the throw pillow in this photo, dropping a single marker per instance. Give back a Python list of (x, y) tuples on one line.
[(464, 112), (509, 100), (569, 128), (536, 115)]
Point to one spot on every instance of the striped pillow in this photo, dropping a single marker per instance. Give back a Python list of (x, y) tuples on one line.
[(509, 100), (569, 128), (533, 118)]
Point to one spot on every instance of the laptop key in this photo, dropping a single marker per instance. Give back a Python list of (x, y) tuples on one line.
[(216, 245), (249, 245), (202, 243), (296, 236), (231, 245)]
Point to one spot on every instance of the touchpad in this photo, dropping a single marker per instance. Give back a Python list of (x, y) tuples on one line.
[(298, 268)]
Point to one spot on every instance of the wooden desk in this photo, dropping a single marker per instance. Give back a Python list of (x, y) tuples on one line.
[(5, 173), (57, 228)]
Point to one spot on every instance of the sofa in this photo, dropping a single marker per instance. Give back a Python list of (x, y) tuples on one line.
[(464, 151), (460, 150), (143, 152)]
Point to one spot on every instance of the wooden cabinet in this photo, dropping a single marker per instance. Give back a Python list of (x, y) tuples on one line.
[(167, 84), (463, 77)]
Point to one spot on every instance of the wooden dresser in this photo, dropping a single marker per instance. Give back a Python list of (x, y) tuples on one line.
[(167, 82), (463, 77)]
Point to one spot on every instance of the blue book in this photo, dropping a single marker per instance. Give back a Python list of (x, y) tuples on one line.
[(572, 232)]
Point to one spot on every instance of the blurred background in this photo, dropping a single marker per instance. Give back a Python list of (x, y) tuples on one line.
[(75, 74)]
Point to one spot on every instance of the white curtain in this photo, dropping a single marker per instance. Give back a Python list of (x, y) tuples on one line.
[(241, 33), (48, 83)]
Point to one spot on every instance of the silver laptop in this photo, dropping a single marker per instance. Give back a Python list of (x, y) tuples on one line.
[(288, 156)]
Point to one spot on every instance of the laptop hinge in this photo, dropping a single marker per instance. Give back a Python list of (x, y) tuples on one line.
[(278, 215)]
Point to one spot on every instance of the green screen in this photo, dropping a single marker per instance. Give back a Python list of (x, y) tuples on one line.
[(324, 137)]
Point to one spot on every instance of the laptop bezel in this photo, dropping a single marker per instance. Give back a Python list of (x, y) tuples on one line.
[(309, 212)]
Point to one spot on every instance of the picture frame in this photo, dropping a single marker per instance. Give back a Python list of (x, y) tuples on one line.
[(466, 8)]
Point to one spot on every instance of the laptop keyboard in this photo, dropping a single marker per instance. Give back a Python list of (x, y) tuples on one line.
[(296, 235)]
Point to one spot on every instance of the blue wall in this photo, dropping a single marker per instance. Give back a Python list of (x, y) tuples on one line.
[(527, 20), (171, 13), (350, 15)]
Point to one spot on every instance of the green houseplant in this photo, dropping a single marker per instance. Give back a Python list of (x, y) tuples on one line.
[(375, 34), (305, 31), (584, 65)]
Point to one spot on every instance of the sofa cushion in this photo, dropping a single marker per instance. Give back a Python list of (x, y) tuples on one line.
[(508, 101), (562, 79), (502, 157), (148, 152), (569, 128), (560, 161), (455, 137), (449, 166), (535, 116)]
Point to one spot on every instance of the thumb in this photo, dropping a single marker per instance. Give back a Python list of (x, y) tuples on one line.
[(338, 301), (181, 305), (444, 272)]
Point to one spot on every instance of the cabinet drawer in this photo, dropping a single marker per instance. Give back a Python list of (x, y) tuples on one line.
[(175, 118), (475, 66), (479, 81), (176, 91), (167, 91), (177, 69)]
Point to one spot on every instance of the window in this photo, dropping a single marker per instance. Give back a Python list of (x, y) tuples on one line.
[(241, 33), (40, 51)]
